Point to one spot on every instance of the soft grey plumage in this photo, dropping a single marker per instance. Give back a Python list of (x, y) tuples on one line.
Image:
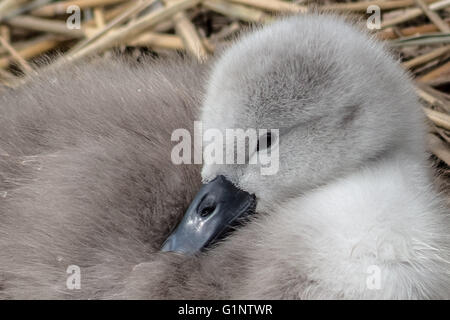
[(353, 190), (86, 174)]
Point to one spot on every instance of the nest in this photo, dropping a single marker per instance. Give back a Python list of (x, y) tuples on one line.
[(418, 31)]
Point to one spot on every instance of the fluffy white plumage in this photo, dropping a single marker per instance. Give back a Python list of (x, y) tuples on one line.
[(384, 220)]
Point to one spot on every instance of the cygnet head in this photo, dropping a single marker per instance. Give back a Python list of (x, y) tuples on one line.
[(336, 96)]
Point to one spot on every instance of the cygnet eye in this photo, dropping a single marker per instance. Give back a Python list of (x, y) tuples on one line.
[(265, 141)]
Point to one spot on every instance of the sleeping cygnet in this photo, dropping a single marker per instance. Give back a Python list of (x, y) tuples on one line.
[(351, 212), (89, 188)]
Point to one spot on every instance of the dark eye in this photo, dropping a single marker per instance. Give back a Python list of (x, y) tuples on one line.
[(264, 142)]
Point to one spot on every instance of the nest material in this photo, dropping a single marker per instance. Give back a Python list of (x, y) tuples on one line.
[(418, 30)]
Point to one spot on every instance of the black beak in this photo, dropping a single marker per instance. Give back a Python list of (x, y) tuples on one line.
[(217, 208)]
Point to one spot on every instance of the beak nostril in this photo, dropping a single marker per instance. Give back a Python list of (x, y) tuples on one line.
[(207, 206), (206, 211)]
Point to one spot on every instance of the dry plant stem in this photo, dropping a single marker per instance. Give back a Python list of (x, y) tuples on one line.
[(119, 10), (426, 96), (236, 11), (163, 26), (433, 16), (273, 5), (142, 23), (7, 5), (99, 17), (44, 25), (439, 81), (36, 48), (442, 133), (419, 60), (438, 118), (112, 13), (436, 73), (60, 7), (20, 45), (439, 148), (186, 30), (163, 41), (5, 33), (433, 97), (389, 33), (16, 56), (209, 46), (141, 5), (225, 32), (414, 13), (25, 8), (439, 94), (363, 5)]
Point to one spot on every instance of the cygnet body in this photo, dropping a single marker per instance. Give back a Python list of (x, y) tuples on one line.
[(87, 176)]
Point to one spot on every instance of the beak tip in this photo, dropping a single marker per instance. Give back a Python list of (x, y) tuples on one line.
[(167, 245), (197, 230), (171, 245)]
